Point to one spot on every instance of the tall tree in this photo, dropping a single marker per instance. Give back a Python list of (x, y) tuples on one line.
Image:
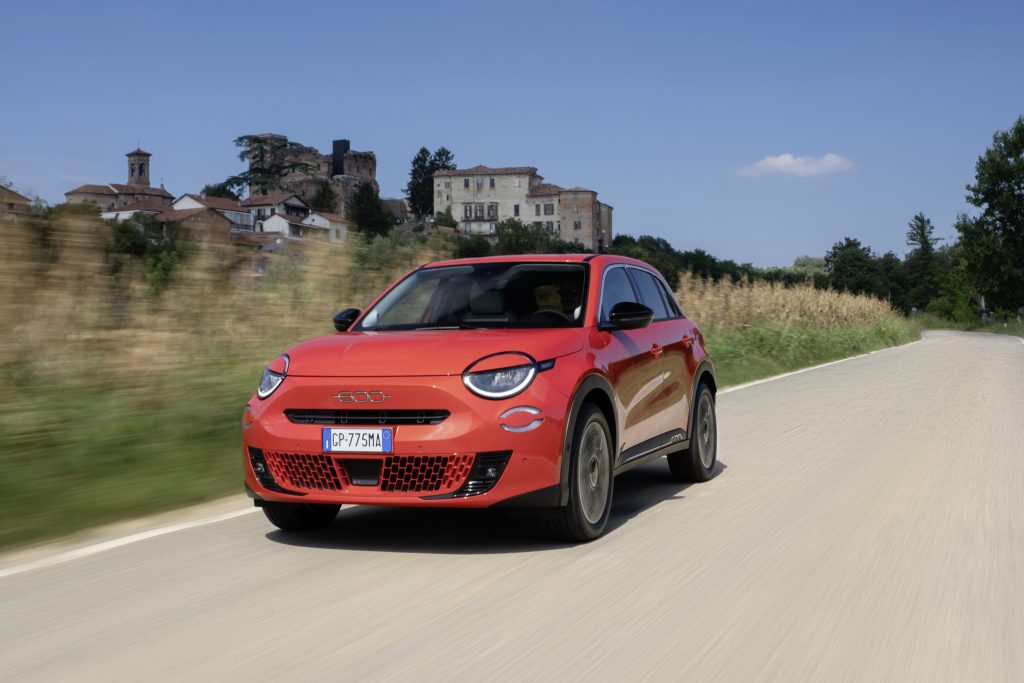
[(325, 198), (370, 215), (921, 267), (420, 189), (852, 268), (992, 244), (270, 159), (219, 190)]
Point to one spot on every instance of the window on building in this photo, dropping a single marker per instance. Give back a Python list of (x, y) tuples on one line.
[(536, 209), (294, 231), (492, 183), (550, 226), (494, 228), (273, 210), (467, 228), (133, 170), (538, 224), (447, 184), (492, 210), (465, 183), (479, 183), (575, 208), (142, 170), (467, 211), (576, 225), (337, 233), (479, 211), (549, 209), (517, 181), (515, 209)]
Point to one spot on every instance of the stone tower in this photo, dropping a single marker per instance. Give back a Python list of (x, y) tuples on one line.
[(138, 168)]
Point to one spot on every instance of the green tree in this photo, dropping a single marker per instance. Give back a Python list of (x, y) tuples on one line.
[(325, 198), (993, 242), (420, 189), (517, 237), (472, 246), (922, 274), (270, 160), (445, 219), (370, 215), (219, 190), (851, 267)]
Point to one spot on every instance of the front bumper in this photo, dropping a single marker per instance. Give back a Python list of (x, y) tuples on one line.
[(466, 460)]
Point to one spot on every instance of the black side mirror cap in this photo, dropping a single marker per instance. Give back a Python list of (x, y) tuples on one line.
[(344, 319), (629, 315)]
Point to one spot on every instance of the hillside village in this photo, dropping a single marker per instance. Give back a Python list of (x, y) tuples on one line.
[(476, 199)]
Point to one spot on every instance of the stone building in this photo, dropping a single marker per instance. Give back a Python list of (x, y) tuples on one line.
[(480, 197), (12, 204), (113, 195), (344, 168)]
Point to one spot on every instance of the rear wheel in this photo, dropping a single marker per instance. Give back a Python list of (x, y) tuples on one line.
[(300, 516), (590, 479), (697, 463)]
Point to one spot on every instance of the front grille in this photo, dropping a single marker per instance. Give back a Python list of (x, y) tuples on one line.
[(305, 471), (416, 473), (366, 417)]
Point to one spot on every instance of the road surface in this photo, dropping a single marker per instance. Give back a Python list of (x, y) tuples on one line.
[(867, 523)]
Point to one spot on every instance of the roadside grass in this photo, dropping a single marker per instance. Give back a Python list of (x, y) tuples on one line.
[(121, 403)]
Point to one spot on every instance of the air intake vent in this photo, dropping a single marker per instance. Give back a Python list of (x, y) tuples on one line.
[(366, 417)]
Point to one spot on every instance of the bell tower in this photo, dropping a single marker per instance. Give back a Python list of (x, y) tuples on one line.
[(138, 168)]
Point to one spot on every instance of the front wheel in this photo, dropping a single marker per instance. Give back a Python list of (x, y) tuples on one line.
[(590, 479), (697, 463), (300, 516)]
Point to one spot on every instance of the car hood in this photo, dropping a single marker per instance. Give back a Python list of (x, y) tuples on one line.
[(422, 353)]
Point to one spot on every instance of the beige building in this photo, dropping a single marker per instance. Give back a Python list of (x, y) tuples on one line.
[(481, 197), (113, 195), (12, 204)]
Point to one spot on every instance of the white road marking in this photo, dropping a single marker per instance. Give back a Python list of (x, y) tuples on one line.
[(813, 367), (96, 548)]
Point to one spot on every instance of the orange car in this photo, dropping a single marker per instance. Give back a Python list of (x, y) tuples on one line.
[(522, 381)]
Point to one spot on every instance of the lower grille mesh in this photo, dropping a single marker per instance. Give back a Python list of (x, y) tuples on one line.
[(416, 473), (304, 471)]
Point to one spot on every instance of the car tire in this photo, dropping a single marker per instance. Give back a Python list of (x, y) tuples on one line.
[(591, 480), (697, 462), (300, 516)]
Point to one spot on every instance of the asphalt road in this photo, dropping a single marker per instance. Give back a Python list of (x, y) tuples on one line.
[(867, 523)]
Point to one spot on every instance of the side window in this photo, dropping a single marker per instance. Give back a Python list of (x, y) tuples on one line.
[(673, 305), (616, 289), (650, 293)]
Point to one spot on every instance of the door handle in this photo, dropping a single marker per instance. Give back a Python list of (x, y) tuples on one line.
[(657, 351), (687, 341)]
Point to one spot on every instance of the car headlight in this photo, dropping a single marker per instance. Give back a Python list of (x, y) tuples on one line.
[(500, 382), (273, 375)]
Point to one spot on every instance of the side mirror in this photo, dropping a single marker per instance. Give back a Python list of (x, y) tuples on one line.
[(629, 315), (344, 320)]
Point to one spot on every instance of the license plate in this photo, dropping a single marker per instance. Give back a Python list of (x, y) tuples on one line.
[(357, 440)]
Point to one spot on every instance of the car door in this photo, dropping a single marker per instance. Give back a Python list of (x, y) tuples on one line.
[(671, 332), (633, 363)]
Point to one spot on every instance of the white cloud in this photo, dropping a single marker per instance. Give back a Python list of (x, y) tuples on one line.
[(799, 166)]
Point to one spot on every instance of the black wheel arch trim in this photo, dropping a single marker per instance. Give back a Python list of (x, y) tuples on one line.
[(704, 370), (590, 383)]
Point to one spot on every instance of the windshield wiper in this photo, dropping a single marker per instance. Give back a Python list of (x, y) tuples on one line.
[(460, 326)]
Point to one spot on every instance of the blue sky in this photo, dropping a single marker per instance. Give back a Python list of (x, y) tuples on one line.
[(678, 114)]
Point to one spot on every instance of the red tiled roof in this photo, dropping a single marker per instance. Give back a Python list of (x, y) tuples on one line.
[(221, 203), (137, 151), (268, 199), (580, 189), (182, 214), (92, 189), (334, 217), (135, 189), (487, 170), (544, 189), (146, 205)]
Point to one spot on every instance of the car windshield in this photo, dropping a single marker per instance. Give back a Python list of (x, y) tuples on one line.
[(484, 295)]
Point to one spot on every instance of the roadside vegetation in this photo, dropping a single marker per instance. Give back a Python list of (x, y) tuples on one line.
[(125, 381)]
